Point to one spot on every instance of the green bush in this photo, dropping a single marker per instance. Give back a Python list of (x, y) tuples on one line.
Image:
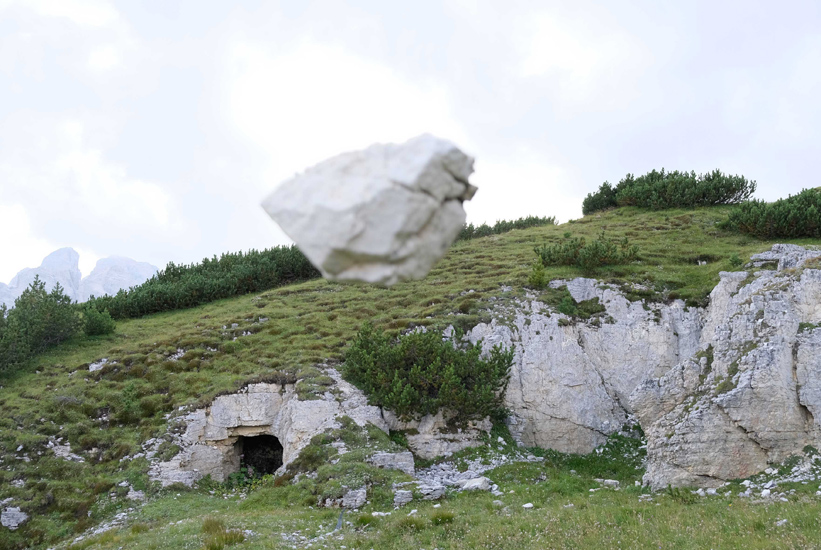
[(38, 321), (794, 217), (96, 322), (470, 232), (421, 373), (660, 190), (587, 256), (184, 286)]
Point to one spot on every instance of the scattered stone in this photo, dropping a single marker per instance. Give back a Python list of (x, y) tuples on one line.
[(401, 498), (402, 461), (527, 506), (97, 365), (12, 517), (355, 499), (380, 514), (381, 215), (135, 495), (781, 523), (475, 484), (498, 503), (431, 492), (765, 493)]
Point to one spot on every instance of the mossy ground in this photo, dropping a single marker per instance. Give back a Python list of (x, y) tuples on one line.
[(106, 415)]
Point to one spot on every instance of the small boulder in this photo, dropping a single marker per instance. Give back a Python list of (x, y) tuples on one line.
[(402, 497), (475, 484), (12, 517), (355, 499), (381, 215), (394, 461)]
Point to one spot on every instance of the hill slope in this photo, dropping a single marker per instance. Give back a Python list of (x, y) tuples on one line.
[(105, 414)]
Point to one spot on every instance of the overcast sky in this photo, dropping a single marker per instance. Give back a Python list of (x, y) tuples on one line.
[(152, 129)]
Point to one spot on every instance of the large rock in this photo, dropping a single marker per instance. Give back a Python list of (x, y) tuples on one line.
[(381, 215)]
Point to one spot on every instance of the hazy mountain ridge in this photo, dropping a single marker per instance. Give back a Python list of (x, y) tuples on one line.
[(62, 266)]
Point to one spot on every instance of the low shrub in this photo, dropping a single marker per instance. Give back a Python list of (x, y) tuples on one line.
[(661, 189), (469, 231), (794, 217), (96, 322), (421, 373), (578, 252)]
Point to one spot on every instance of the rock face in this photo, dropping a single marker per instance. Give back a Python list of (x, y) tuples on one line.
[(381, 215), (753, 396), (431, 436), (570, 381), (210, 441), (112, 274), (62, 266)]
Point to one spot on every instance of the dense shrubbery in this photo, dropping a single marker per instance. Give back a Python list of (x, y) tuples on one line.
[(794, 217), (578, 252), (184, 286), (660, 190), (38, 321), (503, 226), (96, 322), (421, 373)]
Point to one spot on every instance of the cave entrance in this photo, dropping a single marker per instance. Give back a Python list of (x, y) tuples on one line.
[(261, 453)]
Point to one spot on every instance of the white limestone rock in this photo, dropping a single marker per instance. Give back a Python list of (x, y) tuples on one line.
[(394, 461), (355, 498), (432, 436), (476, 484), (12, 517), (758, 400), (381, 215), (402, 497), (570, 382)]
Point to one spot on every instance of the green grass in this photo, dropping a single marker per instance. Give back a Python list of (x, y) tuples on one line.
[(106, 415)]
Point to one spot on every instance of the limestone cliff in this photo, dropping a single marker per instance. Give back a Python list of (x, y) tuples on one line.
[(720, 392)]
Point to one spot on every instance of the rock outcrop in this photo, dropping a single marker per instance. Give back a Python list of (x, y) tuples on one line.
[(571, 380), (752, 397), (209, 443), (720, 392), (381, 215)]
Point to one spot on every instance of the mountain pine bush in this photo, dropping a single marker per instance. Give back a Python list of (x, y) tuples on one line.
[(469, 231), (96, 322), (794, 217), (184, 286), (578, 252), (38, 321), (420, 373), (660, 190)]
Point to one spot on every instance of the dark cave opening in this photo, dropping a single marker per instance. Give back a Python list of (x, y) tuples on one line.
[(262, 454)]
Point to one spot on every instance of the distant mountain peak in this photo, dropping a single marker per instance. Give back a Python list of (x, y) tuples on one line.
[(63, 266)]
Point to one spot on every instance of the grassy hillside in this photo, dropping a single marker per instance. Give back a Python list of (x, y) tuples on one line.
[(160, 363)]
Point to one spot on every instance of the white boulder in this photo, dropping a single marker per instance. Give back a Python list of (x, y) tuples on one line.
[(381, 215)]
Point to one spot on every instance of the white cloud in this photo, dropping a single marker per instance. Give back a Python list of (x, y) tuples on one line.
[(315, 101), (104, 58), (590, 62), (85, 13), (24, 250), (67, 183)]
